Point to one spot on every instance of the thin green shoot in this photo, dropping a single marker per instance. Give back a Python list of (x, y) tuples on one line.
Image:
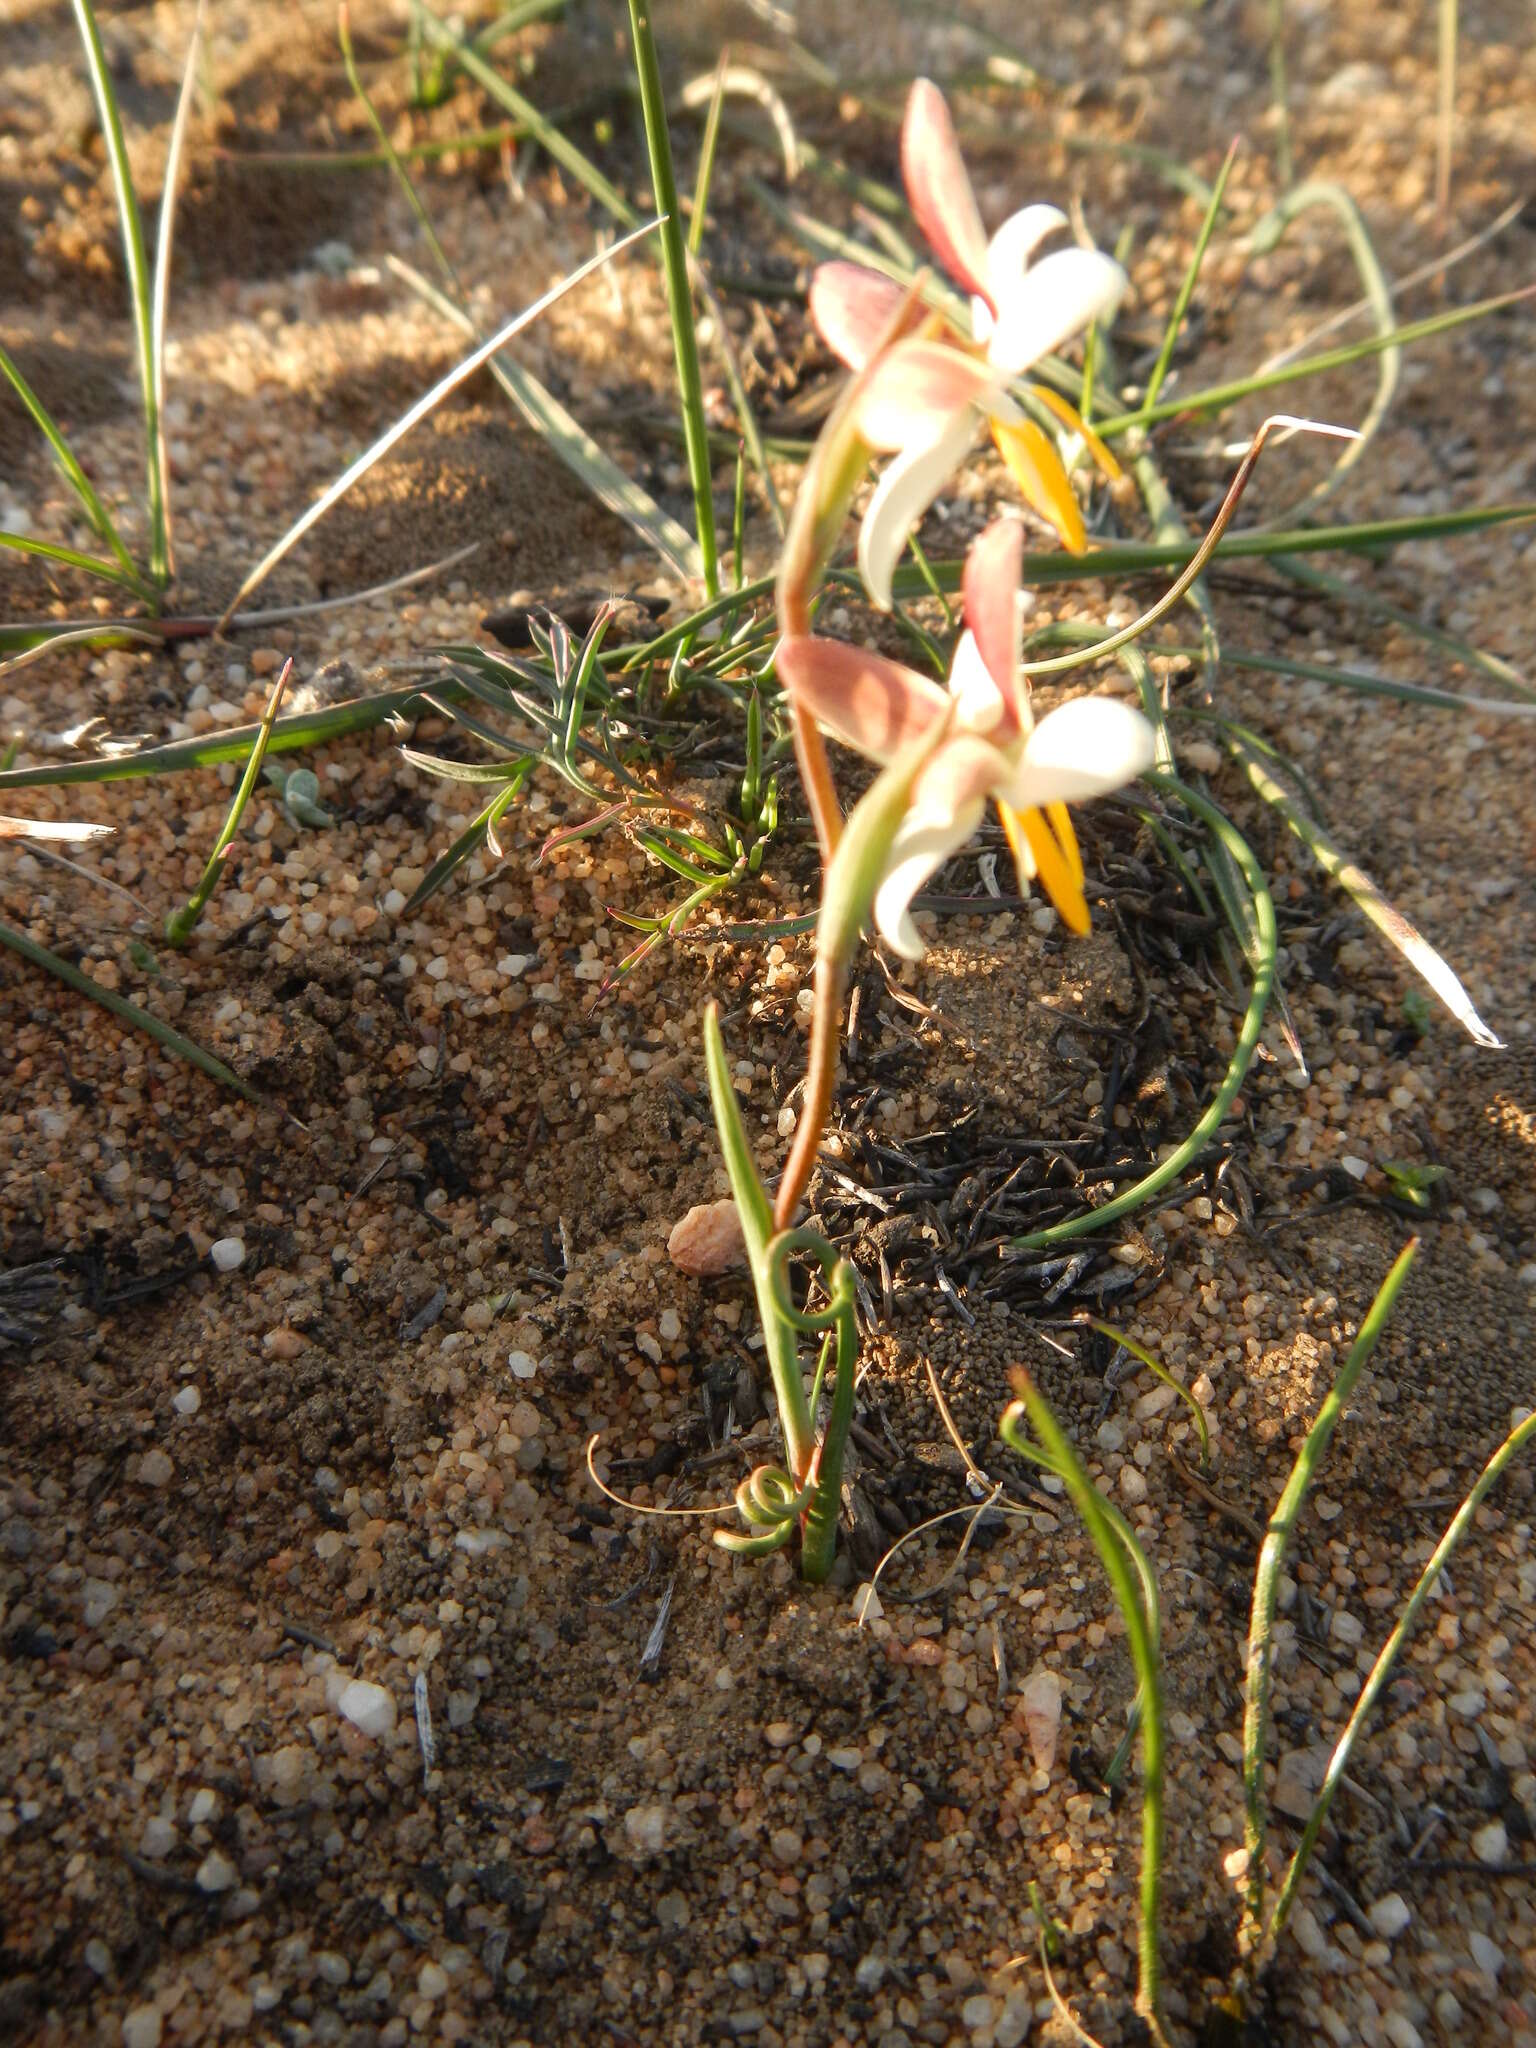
[(1456, 1530), (181, 924), (1279, 95), (1445, 108), (140, 287), (414, 413), (1243, 1051), (707, 147), (1266, 1583), (95, 511), (674, 256), (1135, 1590), (1161, 1372), (1190, 279), (549, 137), (1215, 396), (160, 308), (153, 1027), (71, 558), (1368, 898)]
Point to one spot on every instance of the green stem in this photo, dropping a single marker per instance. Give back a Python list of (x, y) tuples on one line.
[(674, 256), (181, 924), (1266, 1583)]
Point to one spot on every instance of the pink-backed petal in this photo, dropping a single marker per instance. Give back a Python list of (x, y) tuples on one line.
[(939, 189), (915, 391), (904, 493), (921, 847), (852, 308), (1008, 257), (864, 700), (1054, 300), (990, 593), (1082, 749)]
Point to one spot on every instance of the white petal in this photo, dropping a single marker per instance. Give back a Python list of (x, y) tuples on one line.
[(922, 845), (979, 703), (1082, 749), (1011, 248), (1053, 301), (908, 487)]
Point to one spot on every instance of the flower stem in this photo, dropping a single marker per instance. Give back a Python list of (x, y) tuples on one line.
[(820, 1080)]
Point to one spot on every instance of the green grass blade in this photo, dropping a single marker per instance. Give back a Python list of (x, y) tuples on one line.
[(181, 924), (1357, 884), (1456, 1530), (1161, 1372), (479, 830), (95, 511), (141, 1020), (1217, 395), (414, 413), (1131, 1583), (1359, 680), (756, 1216), (160, 312), (549, 137), (1266, 1583), (136, 263), (1378, 298), (1191, 277), (1170, 1168), (708, 144), (91, 565), (674, 257), (574, 446)]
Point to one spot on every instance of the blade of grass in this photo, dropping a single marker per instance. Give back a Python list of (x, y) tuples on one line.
[(1357, 884), (91, 565), (1266, 1583), (1445, 108), (1215, 396), (1378, 297), (141, 1020), (1170, 1168), (136, 263), (1359, 680), (707, 147), (162, 284), (570, 441), (181, 924), (95, 511), (1191, 277), (549, 137), (480, 829), (1456, 1530), (1279, 95), (410, 417), (674, 256), (1135, 1591), (1161, 1372)]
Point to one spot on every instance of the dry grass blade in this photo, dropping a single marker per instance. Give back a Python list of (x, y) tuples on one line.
[(417, 412)]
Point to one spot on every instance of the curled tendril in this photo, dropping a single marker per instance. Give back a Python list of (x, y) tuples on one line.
[(835, 1272), (769, 1502)]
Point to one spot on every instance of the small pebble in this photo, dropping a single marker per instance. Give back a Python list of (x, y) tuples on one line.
[(368, 1707), (227, 1253), (1390, 1915), (646, 1827), (141, 2027), (155, 1468), (216, 1873), (1491, 1843), (186, 1401), (707, 1241)]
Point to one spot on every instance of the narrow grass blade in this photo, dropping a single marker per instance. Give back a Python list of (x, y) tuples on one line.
[(181, 924), (1191, 277), (1359, 680), (1135, 1590), (417, 412), (136, 263), (162, 287), (1266, 1583), (1445, 107), (1378, 607), (550, 139), (1389, 921), (95, 511), (1456, 1530), (741, 80), (475, 835), (141, 1020), (1279, 95), (674, 257), (1161, 1372), (575, 447), (1252, 1024), (707, 147), (1216, 396), (756, 1216), (90, 565), (1378, 297)]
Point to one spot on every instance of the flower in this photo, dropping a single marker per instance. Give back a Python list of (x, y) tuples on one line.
[(1021, 309), (946, 751)]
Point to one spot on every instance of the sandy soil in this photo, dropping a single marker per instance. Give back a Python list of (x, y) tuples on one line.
[(359, 1454)]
